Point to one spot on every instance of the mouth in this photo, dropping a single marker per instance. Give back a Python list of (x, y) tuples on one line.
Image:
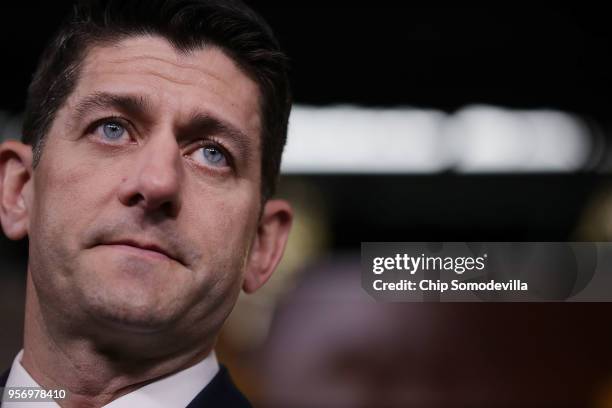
[(147, 250)]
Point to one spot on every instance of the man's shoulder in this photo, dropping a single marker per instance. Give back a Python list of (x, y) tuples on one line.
[(220, 392)]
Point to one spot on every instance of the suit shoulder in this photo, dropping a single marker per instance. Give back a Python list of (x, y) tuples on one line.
[(220, 392)]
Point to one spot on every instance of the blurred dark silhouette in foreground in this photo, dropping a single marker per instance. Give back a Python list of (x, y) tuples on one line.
[(333, 346)]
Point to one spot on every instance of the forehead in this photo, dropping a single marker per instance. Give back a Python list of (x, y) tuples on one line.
[(176, 83)]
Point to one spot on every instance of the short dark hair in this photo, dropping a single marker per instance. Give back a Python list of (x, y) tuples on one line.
[(187, 24)]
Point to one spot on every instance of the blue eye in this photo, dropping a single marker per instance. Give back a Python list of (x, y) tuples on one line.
[(113, 130), (210, 155), (213, 156)]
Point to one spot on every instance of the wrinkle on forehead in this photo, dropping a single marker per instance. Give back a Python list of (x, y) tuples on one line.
[(179, 65)]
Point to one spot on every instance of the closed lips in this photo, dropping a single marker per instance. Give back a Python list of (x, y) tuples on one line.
[(149, 247)]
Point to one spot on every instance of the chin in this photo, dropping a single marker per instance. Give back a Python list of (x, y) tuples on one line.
[(135, 324), (131, 319), (134, 308)]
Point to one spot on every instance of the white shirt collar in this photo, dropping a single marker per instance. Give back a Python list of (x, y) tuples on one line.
[(176, 390)]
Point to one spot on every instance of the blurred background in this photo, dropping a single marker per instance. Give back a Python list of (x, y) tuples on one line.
[(411, 123)]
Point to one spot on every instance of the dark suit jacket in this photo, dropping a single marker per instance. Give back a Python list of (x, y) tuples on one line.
[(220, 392)]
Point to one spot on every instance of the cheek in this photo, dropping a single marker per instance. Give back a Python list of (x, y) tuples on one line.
[(223, 226), (67, 194), (221, 229), (62, 209)]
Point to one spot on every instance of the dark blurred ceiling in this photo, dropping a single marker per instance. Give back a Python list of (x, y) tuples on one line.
[(443, 57)]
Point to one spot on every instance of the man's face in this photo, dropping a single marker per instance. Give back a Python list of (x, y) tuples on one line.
[(147, 196)]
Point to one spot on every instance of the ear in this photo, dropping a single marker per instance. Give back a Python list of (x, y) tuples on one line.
[(269, 244), (15, 174)]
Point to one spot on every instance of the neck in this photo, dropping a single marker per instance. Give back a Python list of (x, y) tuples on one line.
[(95, 372)]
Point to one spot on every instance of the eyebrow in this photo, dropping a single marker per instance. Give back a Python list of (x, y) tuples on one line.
[(132, 105)]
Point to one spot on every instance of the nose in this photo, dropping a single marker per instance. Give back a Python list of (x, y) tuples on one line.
[(153, 179)]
